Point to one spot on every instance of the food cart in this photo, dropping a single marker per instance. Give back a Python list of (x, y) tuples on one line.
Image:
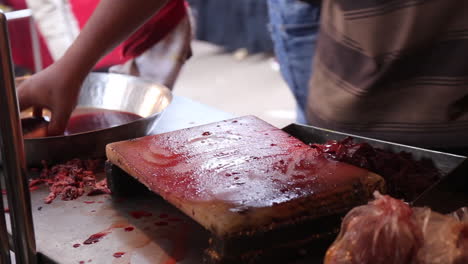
[(140, 228)]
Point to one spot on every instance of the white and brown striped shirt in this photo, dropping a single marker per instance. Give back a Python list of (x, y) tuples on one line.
[(393, 69)]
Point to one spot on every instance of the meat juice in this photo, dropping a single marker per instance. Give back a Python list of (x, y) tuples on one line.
[(82, 120), (89, 119)]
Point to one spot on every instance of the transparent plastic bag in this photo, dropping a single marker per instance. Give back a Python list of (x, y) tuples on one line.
[(384, 231), (445, 237), (389, 231)]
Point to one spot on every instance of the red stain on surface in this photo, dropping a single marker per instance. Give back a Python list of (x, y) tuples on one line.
[(7, 210), (129, 229), (94, 238), (163, 216), (118, 254), (140, 214), (76, 245), (161, 223), (89, 202), (33, 188)]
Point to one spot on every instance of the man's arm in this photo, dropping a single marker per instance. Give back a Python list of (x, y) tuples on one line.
[(57, 87)]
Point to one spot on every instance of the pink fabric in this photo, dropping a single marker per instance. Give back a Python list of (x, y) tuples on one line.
[(150, 33), (20, 39), (155, 29), (83, 9)]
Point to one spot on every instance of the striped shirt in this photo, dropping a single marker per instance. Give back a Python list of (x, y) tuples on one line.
[(393, 69)]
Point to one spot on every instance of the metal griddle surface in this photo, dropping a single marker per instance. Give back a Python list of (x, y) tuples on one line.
[(62, 224)]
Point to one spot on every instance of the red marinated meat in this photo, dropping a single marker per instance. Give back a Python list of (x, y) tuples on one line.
[(405, 177), (72, 179), (243, 174), (244, 161)]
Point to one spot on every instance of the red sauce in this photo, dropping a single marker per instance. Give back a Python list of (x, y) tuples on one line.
[(89, 119), (163, 216), (76, 245), (129, 229), (140, 214), (118, 254), (33, 188), (88, 202), (82, 262), (95, 238)]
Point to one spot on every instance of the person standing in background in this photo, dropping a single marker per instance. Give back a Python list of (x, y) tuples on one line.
[(393, 70), (294, 26)]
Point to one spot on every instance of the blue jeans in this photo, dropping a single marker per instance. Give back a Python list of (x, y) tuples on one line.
[(294, 26)]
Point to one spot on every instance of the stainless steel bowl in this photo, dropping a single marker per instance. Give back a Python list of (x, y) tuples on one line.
[(105, 91)]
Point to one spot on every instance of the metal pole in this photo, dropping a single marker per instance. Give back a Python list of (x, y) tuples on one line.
[(35, 43), (12, 149), (4, 243), (36, 47)]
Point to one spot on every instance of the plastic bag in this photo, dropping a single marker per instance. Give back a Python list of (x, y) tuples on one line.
[(381, 232), (388, 231), (445, 238)]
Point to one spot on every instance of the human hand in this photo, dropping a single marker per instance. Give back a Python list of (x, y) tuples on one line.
[(55, 89)]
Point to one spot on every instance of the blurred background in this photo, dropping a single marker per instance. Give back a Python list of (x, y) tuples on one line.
[(233, 67)]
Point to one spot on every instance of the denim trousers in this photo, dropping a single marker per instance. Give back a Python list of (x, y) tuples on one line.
[(233, 24), (293, 27)]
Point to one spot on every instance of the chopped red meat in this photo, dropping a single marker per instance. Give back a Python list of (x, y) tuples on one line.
[(99, 188), (72, 179), (405, 177)]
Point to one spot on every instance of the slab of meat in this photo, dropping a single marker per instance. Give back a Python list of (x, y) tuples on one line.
[(72, 179), (243, 174), (388, 231)]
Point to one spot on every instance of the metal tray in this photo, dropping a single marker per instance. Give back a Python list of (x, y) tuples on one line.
[(452, 168), (62, 224), (445, 196)]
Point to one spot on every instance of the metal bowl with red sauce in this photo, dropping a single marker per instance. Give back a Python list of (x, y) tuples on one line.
[(111, 107)]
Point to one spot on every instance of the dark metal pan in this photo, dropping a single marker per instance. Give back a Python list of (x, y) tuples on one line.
[(445, 195)]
